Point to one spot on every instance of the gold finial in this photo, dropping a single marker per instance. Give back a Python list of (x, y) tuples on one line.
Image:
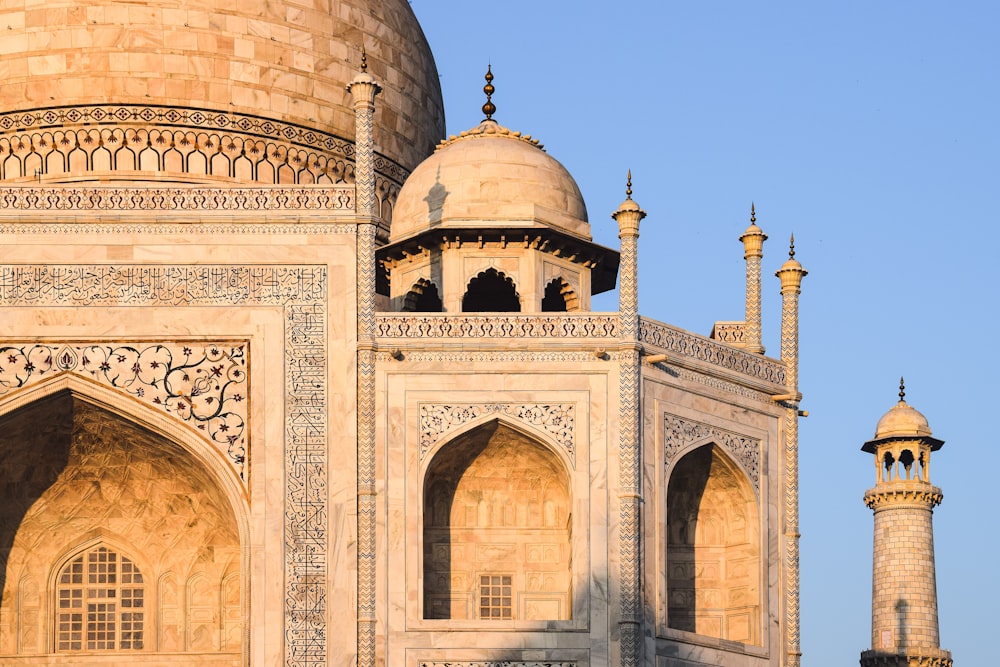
[(753, 214), (489, 108), (628, 185), (364, 59), (902, 390), (791, 248)]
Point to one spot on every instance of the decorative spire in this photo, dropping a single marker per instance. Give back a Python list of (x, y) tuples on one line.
[(902, 390), (791, 248), (364, 59), (753, 214), (628, 185), (489, 108)]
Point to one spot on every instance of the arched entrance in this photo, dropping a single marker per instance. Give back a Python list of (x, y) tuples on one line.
[(116, 542), (497, 529), (713, 548)]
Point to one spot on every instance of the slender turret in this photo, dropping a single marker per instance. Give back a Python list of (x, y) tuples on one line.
[(904, 592), (753, 250)]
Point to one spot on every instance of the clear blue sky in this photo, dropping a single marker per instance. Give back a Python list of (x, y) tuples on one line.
[(869, 129)]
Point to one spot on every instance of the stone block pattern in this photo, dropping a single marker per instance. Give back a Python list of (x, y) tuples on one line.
[(904, 590)]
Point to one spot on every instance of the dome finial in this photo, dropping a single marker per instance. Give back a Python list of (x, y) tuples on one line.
[(364, 59), (791, 247), (628, 185), (902, 390), (753, 214), (489, 108)]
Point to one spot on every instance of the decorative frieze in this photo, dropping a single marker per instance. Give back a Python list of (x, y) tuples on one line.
[(499, 663), (494, 356), (556, 419), (678, 433), (707, 350), (160, 285), (202, 384), (496, 326), (130, 137), (194, 199)]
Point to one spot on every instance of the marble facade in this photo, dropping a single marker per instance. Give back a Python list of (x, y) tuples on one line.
[(213, 372)]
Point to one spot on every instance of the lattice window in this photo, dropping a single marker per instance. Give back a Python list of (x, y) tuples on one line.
[(495, 597), (100, 603)]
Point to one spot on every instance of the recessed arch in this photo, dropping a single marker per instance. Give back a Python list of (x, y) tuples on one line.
[(713, 547), (105, 469), (497, 529)]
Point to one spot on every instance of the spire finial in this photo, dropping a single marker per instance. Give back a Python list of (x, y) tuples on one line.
[(628, 185), (791, 248), (753, 214), (489, 108), (364, 59), (902, 390)]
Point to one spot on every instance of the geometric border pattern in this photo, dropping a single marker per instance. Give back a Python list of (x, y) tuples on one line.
[(301, 290)]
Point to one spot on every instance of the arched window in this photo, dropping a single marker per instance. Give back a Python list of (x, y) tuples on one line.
[(497, 530), (491, 292), (423, 297), (713, 548), (99, 603)]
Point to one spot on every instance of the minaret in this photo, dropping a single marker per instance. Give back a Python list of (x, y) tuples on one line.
[(753, 250), (904, 592)]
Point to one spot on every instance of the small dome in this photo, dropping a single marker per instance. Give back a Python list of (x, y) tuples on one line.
[(493, 175), (902, 420)]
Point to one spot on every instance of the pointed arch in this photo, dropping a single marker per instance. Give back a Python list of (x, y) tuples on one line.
[(491, 291), (559, 297), (713, 547), (423, 297), (497, 529), (108, 472)]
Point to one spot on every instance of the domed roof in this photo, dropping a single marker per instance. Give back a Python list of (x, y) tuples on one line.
[(266, 60), (902, 420), (494, 176)]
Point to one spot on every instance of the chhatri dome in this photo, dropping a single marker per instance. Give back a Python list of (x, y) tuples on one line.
[(902, 420), (490, 172), (491, 212), (259, 80)]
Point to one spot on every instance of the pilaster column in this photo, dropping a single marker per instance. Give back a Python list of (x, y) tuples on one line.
[(753, 250), (791, 274), (364, 89), (628, 217)]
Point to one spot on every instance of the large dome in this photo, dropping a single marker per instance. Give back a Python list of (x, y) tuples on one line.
[(273, 70), (490, 176)]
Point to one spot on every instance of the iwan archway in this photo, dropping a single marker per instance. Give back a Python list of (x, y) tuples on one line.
[(120, 534), (713, 548)]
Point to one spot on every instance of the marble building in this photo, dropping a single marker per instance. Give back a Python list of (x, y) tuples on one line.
[(289, 378)]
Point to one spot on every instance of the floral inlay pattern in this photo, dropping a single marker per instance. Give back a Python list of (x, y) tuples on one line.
[(202, 384), (556, 419)]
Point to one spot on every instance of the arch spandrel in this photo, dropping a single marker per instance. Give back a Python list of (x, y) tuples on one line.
[(201, 385), (553, 424)]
